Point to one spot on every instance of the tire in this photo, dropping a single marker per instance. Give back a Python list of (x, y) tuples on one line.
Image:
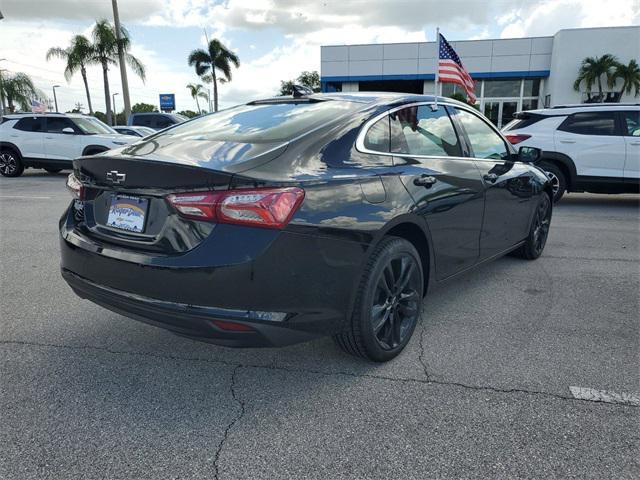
[(53, 170), (388, 303), (538, 232), (557, 177), (10, 163)]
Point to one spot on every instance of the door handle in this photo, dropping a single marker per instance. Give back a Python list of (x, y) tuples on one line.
[(635, 143), (424, 181), (567, 141), (48, 138), (490, 177)]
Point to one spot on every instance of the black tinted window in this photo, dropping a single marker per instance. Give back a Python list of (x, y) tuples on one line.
[(56, 124), (422, 131), (590, 123), (484, 140), (142, 120), (163, 122), (30, 124), (263, 122), (377, 137), (631, 124)]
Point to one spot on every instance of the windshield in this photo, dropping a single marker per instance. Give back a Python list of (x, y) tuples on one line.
[(263, 123), (92, 126)]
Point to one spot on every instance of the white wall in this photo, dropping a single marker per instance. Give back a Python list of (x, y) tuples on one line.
[(571, 46)]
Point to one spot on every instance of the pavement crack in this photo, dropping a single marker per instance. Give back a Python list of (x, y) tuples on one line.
[(237, 366), (236, 419), (421, 353)]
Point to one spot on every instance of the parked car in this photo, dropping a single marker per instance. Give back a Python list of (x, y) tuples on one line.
[(586, 148), (135, 131), (286, 219), (156, 121), (52, 140)]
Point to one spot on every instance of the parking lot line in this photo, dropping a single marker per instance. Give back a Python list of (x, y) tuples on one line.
[(605, 396)]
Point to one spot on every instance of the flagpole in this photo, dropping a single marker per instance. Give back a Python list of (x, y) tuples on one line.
[(437, 65)]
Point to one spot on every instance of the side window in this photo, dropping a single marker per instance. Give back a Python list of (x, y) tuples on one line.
[(631, 122), (56, 124), (30, 124), (377, 137), (421, 131), (142, 120), (162, 122), (484, 140), (590, 123)]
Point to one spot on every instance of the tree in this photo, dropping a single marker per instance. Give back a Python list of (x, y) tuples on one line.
[(18, 89), (105, 52), (143, 108), (188, 113), (197, 90), (591, 71), (77, 55), (630, 76), (217, 58), (306, 79)]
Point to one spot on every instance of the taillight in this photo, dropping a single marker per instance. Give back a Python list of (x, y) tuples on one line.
[(76, 189), (263, 207), (516, 138)]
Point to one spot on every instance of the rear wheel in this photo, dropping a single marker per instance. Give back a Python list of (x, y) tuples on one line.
[(53, 170), (557, 179), (10, 164), (388, 303), (538, 232)]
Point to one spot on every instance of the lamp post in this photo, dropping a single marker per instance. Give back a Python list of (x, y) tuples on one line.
[(115, 112), (2, 106), (55, 99)]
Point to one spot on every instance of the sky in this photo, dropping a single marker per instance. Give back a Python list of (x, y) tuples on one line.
[(275, 39)]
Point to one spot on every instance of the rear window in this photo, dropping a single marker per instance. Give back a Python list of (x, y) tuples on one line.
[(590, 123), (264, 123), (522, 121)]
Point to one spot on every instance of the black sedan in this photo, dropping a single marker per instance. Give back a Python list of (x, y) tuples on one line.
[(286, 219)]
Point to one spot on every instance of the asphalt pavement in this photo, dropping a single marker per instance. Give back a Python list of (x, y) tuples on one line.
[(483, 390)]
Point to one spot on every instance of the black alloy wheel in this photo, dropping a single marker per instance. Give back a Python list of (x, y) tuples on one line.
[(539, 231), (556, 178), (10, 164), (388, 304)]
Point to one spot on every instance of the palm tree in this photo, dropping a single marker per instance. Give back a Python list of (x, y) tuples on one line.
[(630, 75), (19, 90), (78, 55), (197, 90), (591, 71), (217, 57), (105, 52)]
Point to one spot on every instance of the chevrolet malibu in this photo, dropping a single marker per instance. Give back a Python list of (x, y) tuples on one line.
[(291, 218)]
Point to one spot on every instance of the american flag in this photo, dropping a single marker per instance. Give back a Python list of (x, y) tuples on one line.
[(38, 107), (451, 70)]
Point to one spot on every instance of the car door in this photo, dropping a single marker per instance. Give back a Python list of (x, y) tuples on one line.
[(591, 140), (59, 145), (508, 184), (444, 185), (631, 132), (28, 135)]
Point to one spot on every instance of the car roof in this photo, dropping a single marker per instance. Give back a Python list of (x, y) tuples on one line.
[(560, 110), (360, 97), (47, 114)]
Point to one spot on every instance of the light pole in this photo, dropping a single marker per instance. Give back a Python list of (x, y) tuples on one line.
[(123, 66), (115, 112), (55, 99), (2, 106)]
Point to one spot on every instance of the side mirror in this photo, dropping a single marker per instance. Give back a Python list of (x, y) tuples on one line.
[(68, 130), (529, 154)]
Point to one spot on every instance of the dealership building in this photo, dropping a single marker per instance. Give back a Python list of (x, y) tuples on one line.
[(511, 74)]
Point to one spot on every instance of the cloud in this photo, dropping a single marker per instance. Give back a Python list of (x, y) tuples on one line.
[(130, 11)]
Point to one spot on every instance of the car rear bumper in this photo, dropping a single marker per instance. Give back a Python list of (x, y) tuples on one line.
[(190, 320), (290, 288)]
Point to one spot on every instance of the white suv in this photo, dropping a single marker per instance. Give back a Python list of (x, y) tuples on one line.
[(586, 148), (52, 140)]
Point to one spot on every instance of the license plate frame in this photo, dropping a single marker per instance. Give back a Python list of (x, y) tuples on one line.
[(128, 213)]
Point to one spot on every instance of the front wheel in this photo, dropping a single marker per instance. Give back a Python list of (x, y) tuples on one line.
[(538, 232), (388, 303), (10, 164), (557, 179)]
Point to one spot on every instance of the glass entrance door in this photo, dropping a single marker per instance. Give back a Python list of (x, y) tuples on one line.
[(500, 111)]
